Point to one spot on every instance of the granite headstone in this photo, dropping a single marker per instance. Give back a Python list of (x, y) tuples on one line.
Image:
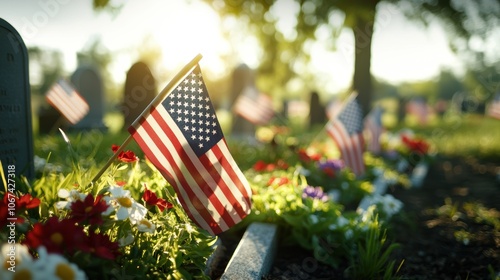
[(140, 90), (88, 82), (16, 133), (242, 78)]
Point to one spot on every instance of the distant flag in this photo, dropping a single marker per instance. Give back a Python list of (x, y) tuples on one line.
[(63, 97), (418, 108), (373, 129), (494, 107), (182, 137), (254, 106), (346, 129)]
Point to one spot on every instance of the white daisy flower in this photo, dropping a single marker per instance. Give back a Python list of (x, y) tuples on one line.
[(55, 266), (16, 261), (126, 206), (146, 226), (70, 196)]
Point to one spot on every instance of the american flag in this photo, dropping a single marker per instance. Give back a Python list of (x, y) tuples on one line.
[(373, 129), (67, 101), (182, 137), (418, 108), (346, 129), (255, 107), (494, 107)]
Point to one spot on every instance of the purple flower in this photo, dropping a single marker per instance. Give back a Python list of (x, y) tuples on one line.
[(314, 193), (331, 167)]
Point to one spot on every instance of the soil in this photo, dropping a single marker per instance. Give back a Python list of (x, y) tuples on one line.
[(426, 230)]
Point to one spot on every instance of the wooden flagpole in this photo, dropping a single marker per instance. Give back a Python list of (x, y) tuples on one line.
[(176, 80)]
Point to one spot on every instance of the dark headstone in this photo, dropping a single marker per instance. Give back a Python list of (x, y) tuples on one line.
[(242, 78), (317, 113), (140, 90), (88, 82), (16, 133)]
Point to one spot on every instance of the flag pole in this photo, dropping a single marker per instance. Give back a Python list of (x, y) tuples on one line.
[(156, 101)]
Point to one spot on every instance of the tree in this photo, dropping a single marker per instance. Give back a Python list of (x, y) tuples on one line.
[(464, 20)]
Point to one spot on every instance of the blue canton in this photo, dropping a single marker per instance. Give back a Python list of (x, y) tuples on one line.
[(352, 117), (191, 109)]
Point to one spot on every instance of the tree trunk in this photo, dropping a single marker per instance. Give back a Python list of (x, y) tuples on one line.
[(362, 80)]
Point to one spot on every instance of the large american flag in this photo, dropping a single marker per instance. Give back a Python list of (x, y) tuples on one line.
[(373, 129), (183, 139), (346, 129), (494, 107), (63, 97), (254, 106)]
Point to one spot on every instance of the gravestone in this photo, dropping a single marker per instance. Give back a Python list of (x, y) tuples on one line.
[(88, 82), (242, 78), (317, 113), (16, 134), (140, 90)]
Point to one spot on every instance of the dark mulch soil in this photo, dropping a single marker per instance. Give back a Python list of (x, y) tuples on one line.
[(428, 246)]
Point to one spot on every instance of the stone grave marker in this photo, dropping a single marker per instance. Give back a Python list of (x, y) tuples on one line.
[(88, 82), (16, 133), (242, 78), (140, 90), (317, 113)]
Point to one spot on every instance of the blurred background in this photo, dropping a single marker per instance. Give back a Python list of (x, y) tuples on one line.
[(390, 52)]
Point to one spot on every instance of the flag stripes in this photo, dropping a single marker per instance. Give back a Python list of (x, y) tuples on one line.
[(255, 107), (63, 97), (351, 148), (346, 129)]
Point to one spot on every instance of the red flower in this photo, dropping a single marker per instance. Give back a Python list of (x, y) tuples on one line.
[(27, 202), (415, 145), (282, 164), (152, 200), (88, 210), (56, 236), (273, 181), (259, 165), (127, 156), (100, 245), (121, 183)]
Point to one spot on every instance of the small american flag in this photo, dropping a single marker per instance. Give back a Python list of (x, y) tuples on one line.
[(183, 139), (494, 107), (418, 108), (346, 129), (63, 97), (373, 129), (255, 107)]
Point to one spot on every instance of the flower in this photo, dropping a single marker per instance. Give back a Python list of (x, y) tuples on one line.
[(55, 266), (27, 202), (70, 196), (100, 245), (145, 226), (314, 193), (126, 206), (331, 167), (125, 156), (151, 199), (88, 210), (273, 181), (419, 146), (56, 236)]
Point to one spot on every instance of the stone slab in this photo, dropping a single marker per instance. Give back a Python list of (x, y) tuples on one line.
[(255, 253)]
